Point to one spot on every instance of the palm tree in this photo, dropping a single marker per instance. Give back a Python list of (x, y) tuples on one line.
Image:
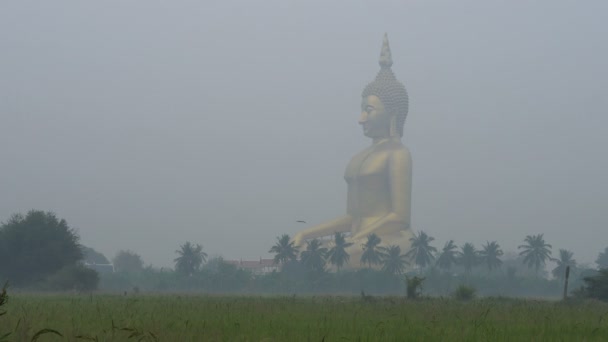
[(393, 262), (372, 254), (421, 251), (468, 257), (490, 255), (190, 258), (565, 260), (314, 256), (535, 251), (337, 255), (284, 250), (448, 256)]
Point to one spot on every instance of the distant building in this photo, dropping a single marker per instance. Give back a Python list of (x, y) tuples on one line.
[(258, 267)]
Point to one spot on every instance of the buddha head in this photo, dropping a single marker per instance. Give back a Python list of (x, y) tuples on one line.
[(384, 101)]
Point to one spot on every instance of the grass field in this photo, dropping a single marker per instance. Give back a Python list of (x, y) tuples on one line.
[(207, 318)]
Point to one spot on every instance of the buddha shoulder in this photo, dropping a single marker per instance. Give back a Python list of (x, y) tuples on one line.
[(400, 154)]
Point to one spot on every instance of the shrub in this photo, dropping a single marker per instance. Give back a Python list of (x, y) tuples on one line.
[(75, 277), (3, 300), (413, 286), (464, 292)]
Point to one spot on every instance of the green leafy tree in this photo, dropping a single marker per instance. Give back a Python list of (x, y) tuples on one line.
[(535, 252), (421, 252), (128, 261), (35, 246), (284, 250), (448, 256), (372, 254), (92, 256), (393, 262), (596, 286), (602, 259), (490, 255), (337, 255), (468, 257), (313, 257), (190, 258), (565, 259)]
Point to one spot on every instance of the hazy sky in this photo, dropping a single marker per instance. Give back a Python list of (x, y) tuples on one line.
[(146, 124)]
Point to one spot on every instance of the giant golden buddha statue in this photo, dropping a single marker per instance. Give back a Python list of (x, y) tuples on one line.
[(379, 178)]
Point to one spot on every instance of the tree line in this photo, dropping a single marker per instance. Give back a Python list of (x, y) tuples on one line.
[(535, 253), (41, 252)]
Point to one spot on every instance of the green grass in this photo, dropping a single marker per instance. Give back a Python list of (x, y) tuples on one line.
[(208, 318)]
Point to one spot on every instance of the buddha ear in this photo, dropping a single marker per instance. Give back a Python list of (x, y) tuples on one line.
[(393, 127)]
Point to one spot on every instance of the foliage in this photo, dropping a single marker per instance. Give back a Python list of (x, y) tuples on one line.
[(393, 262), (313, 257), (3, 300), (421, 252), (597, 286), (337, 255), (464, 292), (128, 261), (602, 259), (35, 246), (535, 252), (490, 255), (565, 259), (91, 256), (448, 256), (190, 259), (73, 277), (515, 262), (468, 257), (284, 250), (372, 254), (413, 286), (219, 277)]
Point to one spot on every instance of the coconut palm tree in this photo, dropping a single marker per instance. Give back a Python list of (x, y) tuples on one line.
[(421, 251), (490, 255), (565, 259), (448, 256), (314, 256), (468, 257), (337, 255), (535, 252), (190, 258), (372, 255), (393, 262), (284, 250)]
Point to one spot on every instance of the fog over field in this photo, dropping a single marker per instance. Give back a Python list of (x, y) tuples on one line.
[(146, 124)]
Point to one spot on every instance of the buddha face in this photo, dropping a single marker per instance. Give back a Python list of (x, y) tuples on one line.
[(375, 120)]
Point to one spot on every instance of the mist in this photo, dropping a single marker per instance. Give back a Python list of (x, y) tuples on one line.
[(146, 124)]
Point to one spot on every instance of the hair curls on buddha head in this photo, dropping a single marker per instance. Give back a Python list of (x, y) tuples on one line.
[(389, 90)]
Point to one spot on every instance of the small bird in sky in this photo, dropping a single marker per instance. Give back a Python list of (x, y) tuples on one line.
[(301, 221)]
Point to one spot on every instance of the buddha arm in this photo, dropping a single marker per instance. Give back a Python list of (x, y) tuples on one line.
[(400, 177), (341, 224)]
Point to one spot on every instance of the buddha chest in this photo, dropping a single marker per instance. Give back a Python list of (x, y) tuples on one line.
[(368, 183)]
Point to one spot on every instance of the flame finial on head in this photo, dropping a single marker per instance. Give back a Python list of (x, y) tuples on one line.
[(386, 60)]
